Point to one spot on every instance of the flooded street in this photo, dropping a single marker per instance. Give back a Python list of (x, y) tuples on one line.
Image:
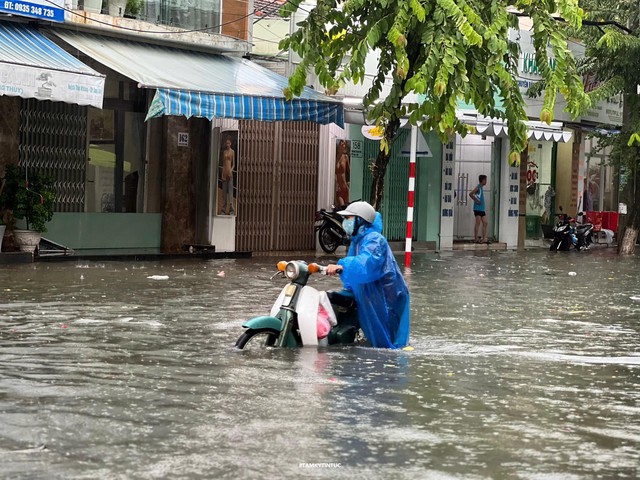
[(525, 365)]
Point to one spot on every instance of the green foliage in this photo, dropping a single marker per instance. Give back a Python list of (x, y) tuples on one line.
[(133, 7), (31, 200), (613, 58), (443, 50)]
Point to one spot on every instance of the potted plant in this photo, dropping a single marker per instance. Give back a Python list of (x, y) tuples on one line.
[(28, 196), (133, 8)]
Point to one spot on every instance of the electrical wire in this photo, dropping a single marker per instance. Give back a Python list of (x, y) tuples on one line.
[(163, 32)]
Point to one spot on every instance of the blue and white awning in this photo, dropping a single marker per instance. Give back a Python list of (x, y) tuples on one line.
[(197, 84), (242, 107), (32, 66)]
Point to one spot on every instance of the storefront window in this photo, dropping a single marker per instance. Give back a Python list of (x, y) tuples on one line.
[(115, 173), (540, 192), (187, 14), (599, 179)]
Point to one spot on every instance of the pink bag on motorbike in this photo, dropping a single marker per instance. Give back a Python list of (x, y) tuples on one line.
[(323, 324)]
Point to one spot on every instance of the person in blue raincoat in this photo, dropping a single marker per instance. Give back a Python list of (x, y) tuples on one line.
[(371, 272)]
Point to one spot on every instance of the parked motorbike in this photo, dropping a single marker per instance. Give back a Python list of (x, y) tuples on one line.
[(568, 232), (562, 234), (303, 316), (328, 224), (584, 232)]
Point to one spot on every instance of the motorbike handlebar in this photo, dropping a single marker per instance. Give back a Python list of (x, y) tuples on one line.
[(322, 269)]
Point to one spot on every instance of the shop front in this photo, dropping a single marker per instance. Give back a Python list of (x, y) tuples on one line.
[(159, 173), (45, 94)]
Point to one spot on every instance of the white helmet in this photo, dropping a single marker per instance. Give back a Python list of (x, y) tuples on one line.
[(360, 209)]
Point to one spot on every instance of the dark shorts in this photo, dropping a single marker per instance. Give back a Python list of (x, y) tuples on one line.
[(479, 213)]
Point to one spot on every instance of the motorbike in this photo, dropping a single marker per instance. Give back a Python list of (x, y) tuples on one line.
[(566, 235), (584, 232), (303, 316), (328, 225)]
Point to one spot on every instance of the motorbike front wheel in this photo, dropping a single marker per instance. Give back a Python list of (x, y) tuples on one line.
[(328, 240), (260, 338)]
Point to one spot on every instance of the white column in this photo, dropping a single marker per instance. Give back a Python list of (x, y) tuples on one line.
[(509, 197), (446, 203)]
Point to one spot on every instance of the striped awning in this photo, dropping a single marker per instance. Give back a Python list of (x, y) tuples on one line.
[(197, 84), (242, 107), (32, 66)]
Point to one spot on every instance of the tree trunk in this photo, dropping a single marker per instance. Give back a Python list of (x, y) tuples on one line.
[(627, 242), (380, 165)]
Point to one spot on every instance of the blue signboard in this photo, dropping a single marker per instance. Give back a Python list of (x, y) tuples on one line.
[(42, 9)]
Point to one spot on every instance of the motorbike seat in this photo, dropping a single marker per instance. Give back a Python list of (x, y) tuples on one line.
[(342, 298)]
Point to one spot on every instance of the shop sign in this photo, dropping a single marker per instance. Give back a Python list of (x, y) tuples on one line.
[(32, 82), (532, 172), (50, 10), (607, 112)]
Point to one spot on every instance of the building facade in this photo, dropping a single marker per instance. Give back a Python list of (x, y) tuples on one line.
[(146, 167)]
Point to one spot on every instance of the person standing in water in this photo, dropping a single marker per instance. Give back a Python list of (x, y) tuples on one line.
[(371, 274)]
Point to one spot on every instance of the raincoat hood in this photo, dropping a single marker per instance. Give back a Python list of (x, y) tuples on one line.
[(376, 226), (370, 271)]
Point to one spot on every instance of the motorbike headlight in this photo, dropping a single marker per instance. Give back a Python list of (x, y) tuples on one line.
[(292, 271)]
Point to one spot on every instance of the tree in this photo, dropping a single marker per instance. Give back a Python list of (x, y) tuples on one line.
[(613, 57), (442, 50)]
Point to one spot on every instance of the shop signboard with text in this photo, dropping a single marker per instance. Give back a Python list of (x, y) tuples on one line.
[(51, 10), (606, 112), (43, 84)]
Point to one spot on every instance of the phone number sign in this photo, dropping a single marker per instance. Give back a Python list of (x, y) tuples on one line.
[(42, 9)]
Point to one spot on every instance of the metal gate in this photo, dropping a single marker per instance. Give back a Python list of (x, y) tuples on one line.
[(53, 140), (396, 185), (277, 186)]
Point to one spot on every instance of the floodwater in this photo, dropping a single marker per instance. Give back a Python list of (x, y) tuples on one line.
[(525, 365)]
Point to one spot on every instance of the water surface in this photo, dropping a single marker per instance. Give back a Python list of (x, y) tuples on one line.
[(525, 365)]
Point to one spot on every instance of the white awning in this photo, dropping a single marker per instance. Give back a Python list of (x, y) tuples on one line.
[(497, 127), (205, 85), (32, 66)]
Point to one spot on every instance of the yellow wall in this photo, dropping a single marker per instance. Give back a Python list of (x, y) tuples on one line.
[(563, 177)]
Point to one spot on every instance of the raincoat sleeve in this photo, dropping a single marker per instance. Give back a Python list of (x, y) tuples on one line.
[(368, 265)]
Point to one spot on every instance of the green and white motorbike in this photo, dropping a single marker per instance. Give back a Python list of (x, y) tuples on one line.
[(303, 316)]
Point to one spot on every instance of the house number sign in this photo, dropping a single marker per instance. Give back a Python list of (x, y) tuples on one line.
[(183, 139)]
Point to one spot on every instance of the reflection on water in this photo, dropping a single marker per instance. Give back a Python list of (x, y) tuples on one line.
[(127, 370)]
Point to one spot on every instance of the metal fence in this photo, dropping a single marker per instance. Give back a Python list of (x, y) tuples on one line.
[(396, 186)]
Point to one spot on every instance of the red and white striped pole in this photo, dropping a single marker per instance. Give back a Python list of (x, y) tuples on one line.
[(411, 199)]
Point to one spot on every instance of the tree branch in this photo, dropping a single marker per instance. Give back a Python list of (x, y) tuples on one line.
[(591, 23)]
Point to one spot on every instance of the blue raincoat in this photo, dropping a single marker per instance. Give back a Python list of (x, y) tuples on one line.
[(370, 271)]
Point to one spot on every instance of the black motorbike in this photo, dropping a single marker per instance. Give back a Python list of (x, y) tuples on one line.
[(562, 234), (584, 232), (567, 233), (328, 224)]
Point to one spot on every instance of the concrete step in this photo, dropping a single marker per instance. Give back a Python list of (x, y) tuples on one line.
[(469, 245), (9, 258)]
